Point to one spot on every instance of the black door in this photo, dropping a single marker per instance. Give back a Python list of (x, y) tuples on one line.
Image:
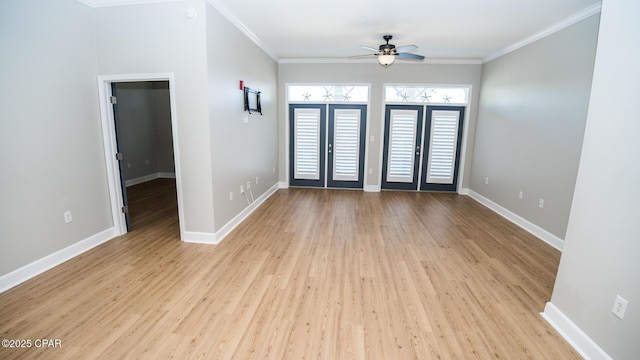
[(402, 141), (346, 142), (442, 141), (307, 144)]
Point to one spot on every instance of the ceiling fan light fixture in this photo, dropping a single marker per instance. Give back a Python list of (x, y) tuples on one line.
[(386, 59)]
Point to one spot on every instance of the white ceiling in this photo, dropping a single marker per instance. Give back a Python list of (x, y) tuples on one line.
[(442, 29)]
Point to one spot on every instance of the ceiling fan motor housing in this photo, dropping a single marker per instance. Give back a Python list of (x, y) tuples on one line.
[(387, 49)]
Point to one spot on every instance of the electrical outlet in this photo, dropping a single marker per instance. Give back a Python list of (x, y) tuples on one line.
[(619, 307), (274, 170), (541, 203), (67, 217), (241, 189), (486, 180), (230, 195), (128, 165), (370, 171), (248, 185), (520, 195), (245, 118), (146, 162), (257, 180)]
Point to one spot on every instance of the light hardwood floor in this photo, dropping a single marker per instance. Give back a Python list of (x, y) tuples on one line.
[(323, 274)]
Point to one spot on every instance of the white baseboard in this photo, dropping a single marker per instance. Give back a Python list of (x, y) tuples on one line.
[(228, 227), (371, 188), (142, 179), (580, 341), (199, 237), (41, 265), (532, 228), (215, 238)]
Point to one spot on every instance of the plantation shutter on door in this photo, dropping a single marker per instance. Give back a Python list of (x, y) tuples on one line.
[(442, 146), (346, 145), (402, 139), (307, 143)]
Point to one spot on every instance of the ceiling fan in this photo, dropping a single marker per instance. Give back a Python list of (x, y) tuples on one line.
[(387, 53)]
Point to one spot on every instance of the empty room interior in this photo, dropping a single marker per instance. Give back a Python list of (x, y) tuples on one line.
[(221, 179)]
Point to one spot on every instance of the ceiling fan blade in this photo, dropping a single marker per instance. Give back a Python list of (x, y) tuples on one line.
[(406, 48), (362, 56), (369, 48), (408, 56)]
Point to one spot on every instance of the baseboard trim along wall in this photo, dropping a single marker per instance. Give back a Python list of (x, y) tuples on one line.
[(532, 228), (39, 266), (199, 237), (228, 227), (371, 188), (142, 179), (212, 239), (580, 341)]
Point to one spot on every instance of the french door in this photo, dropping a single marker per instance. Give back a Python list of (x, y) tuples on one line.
[(327, 156), (403, 124), (414, 144)]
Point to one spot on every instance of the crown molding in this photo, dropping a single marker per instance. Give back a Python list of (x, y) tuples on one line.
[(374, 61), (107, 3), (579, 16), (245, 30)]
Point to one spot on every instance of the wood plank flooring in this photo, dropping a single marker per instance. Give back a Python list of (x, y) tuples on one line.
[(322, 274)]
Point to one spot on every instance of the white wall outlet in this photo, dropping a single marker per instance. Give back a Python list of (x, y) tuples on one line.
[(486, 180), (245, 118), (146, 162), (241, 189), (541, 203), (520, 194), (67, 217), (370, 171), (372, 138), (274, 170), (128, 165), (230, 195), (257, 180), (248, 185), (619, 307)]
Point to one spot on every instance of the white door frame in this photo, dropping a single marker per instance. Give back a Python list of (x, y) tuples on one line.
[(110, 144)]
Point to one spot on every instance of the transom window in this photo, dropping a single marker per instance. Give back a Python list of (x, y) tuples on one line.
[(328, 93), (426, 94)]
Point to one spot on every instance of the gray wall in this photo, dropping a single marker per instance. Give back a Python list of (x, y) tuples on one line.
[(533, 107), (240, 151), (50, 138), (144, 116), (163, 135), (600, 257), (376, 75), (168, 42)]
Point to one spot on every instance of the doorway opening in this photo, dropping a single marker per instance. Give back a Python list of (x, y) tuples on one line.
[(141, 150)]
